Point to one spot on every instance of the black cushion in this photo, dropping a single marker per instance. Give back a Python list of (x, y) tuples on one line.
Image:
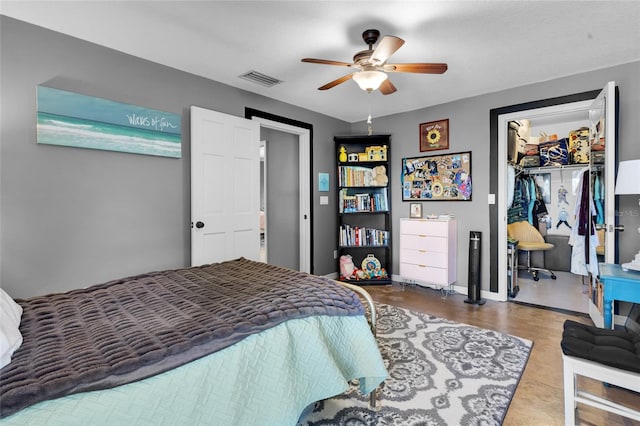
[(616, 348)]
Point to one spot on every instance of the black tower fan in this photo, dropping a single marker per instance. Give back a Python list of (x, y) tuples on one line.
[(475, 240)]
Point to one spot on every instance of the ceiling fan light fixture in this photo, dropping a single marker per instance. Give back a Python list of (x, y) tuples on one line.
[(369, 80)]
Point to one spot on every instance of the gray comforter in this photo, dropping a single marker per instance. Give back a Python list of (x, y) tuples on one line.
[(132, 328)]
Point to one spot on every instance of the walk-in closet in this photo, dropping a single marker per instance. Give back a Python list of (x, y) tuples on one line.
[(556, 186)]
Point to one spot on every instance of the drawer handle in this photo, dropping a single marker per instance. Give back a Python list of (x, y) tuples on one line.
[(422, 251), (422, 236), (422, 266)]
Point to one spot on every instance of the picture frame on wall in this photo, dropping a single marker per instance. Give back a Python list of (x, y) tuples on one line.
[(445, 177), (434, 135), (415, 210)]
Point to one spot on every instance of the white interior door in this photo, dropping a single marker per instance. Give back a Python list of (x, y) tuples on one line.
[(225, 187), (602, 118)]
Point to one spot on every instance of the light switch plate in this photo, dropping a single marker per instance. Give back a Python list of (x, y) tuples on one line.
[(492, 198), (324, 200)]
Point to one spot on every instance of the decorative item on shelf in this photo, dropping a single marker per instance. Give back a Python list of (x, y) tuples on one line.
[(437, 178), (342, 157), (415, 210), (434, 135), (376, 153), (531, 156), (372, 268), (519, 134), (531, 161), (352, 158), (597, 157), (347, 268), (544, 137), (554, 153), (598, 146), (579, 146), (628, 183), (379, 176)]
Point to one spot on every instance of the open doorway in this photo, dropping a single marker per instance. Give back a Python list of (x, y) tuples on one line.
[(263, 203), (288, 178), (280, 198), (595, 113)]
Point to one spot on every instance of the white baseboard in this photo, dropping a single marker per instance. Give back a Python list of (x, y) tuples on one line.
[(456, 288)]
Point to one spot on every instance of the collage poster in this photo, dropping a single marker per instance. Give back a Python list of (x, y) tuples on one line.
[(437, 178)]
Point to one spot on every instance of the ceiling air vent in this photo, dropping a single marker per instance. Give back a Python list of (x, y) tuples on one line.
[(259, 78)]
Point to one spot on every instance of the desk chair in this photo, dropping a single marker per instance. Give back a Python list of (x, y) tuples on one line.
[(529, 239)]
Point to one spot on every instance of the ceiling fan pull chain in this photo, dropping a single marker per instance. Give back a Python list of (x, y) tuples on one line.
[(370, 121)]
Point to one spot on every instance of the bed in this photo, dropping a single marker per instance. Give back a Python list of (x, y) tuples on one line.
[(233, 343)]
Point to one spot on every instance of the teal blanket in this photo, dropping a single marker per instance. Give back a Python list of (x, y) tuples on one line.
[(266, 379)]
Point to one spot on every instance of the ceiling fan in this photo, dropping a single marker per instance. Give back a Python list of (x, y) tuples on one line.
[(372, 66)]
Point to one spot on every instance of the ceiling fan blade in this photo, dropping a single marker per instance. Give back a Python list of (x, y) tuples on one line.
[(326, 62), (336, 82), (387, 87), (387, 47), (425, 68)]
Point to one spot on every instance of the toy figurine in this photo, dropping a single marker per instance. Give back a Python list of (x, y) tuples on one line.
[(343, 155)]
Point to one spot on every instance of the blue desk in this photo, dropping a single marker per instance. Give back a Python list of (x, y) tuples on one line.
[(618, 285)]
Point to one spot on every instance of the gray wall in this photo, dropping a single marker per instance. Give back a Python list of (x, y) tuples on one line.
[(469, 131), (73, 217)]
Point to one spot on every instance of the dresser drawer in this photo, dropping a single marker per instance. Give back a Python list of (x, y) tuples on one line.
[(423, 242), (424, 257), (427, 274), (425, 227)]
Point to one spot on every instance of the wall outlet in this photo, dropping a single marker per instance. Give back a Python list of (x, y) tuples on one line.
[(335, 254)]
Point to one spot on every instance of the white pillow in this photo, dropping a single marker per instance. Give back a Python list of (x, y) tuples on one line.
[(10, 336)]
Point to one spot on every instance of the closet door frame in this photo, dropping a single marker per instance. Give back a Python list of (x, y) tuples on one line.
[(497, 179)]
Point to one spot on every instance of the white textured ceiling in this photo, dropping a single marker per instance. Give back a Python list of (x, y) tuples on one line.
[(488, 45)]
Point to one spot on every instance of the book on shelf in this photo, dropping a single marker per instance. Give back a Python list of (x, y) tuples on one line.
[(361, 236), (363, 202), (356, 176)]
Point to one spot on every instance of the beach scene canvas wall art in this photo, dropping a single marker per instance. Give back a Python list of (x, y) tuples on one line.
[(72, 119)]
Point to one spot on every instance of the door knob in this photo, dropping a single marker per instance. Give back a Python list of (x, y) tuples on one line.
[(199, 225)]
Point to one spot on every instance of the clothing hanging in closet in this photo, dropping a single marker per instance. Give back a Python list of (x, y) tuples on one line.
[(583, 238), (527, 201)]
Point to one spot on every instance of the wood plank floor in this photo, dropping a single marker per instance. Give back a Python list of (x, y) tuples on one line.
[(539, 397)]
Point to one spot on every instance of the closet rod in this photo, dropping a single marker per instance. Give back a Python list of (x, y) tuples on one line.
[(536, 170)]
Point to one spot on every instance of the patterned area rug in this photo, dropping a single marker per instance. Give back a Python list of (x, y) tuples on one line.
[(440, 373)]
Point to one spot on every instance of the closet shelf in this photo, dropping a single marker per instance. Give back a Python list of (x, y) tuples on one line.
[(536, 170)]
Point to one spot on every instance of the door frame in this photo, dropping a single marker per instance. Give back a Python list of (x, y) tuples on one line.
[(503, 121), (497, 235), (304, 132)]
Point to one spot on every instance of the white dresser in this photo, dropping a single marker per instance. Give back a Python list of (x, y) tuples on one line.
[(428, 250)]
